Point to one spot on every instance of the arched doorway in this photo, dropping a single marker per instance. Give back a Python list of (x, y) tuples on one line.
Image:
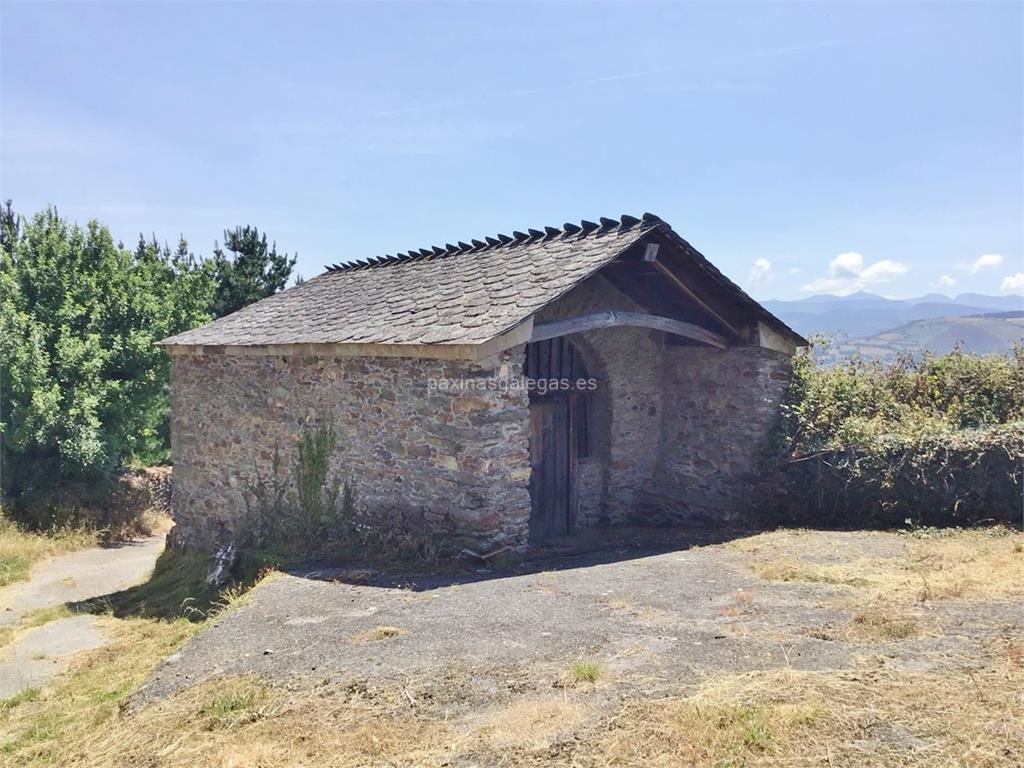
[(560, 433)]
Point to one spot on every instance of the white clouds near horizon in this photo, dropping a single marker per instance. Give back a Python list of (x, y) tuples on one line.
[(985, 261), (1013, 283), (847, 273), (761, 274)]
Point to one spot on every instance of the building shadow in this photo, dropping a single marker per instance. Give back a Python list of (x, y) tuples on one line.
[(584, 549), (177, 588)]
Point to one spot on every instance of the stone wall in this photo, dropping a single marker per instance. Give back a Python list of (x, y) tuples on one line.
[(720, 407), (458, 461)]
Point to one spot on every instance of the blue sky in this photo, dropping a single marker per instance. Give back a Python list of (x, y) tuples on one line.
[(802, 147)]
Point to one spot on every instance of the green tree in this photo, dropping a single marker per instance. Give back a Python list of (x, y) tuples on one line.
[(251, 272), (82, 385)]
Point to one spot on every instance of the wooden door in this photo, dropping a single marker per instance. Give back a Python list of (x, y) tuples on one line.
[(552, 463)]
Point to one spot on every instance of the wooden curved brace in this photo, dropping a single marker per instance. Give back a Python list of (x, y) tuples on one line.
[(617, 319)]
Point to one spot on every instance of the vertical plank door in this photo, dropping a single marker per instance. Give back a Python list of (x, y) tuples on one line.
[(550, 459)]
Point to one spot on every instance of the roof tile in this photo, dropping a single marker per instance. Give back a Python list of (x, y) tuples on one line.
[(436, 296)]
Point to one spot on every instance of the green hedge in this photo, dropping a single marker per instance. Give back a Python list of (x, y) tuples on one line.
[(937, 441), (956, 478)]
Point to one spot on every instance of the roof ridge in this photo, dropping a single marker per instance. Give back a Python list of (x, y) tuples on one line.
[(568, 230)]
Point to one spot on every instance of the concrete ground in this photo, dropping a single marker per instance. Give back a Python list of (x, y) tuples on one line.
[(38, 654), (655, 622), (42, 653), (79, 576)]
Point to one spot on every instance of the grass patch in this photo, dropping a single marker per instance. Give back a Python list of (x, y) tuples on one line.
[(147, 623), (967, 717), (584, 672), (376, 634), (860, 718), (31, 620), (233, 706), (177, 588), (787, 569), (26, 694), (883, 625), (20, 550), (44, 728)]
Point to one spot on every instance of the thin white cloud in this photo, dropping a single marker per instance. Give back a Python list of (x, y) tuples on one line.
[(847, 273), (945, 281), (761, 274), (795, 271), (985, 261), (1013, 283)]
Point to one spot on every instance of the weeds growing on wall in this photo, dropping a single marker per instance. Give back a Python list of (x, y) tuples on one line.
[(305, 507), (936, 440)]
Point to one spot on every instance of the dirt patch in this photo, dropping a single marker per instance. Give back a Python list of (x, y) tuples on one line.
[(376, 634)]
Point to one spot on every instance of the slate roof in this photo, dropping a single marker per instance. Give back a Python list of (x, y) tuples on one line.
[(460, 294)]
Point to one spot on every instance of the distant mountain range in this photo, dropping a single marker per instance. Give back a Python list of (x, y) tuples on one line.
[(879, 328), (980, 334), (864, 314)]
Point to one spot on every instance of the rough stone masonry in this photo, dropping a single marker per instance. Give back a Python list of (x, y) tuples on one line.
[(456, 460), (682, 441)]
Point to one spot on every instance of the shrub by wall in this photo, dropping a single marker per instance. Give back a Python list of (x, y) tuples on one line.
[(937, 441)]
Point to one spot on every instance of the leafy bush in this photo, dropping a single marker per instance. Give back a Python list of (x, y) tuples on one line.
[(937, 440), (84, 386), (857, 402)]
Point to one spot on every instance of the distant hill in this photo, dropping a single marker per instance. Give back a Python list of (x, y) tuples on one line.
[(980, 334), (866, 314)]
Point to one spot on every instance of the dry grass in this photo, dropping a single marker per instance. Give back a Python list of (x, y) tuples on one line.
[(44, 729), (20, 550), (856, 718), (647, 613), (376, 634), (31, 620), (873, 624), (980, 564), (529, 725)]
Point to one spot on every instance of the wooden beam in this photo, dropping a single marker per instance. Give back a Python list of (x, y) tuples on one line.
[(674, 279), (617, 319)]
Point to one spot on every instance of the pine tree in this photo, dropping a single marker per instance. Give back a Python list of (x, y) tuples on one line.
[(251, 272)]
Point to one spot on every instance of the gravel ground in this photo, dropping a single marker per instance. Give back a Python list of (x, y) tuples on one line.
[(655, 622)]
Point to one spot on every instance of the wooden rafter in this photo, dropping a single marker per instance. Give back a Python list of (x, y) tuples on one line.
[(617, 319), (682, 286)]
